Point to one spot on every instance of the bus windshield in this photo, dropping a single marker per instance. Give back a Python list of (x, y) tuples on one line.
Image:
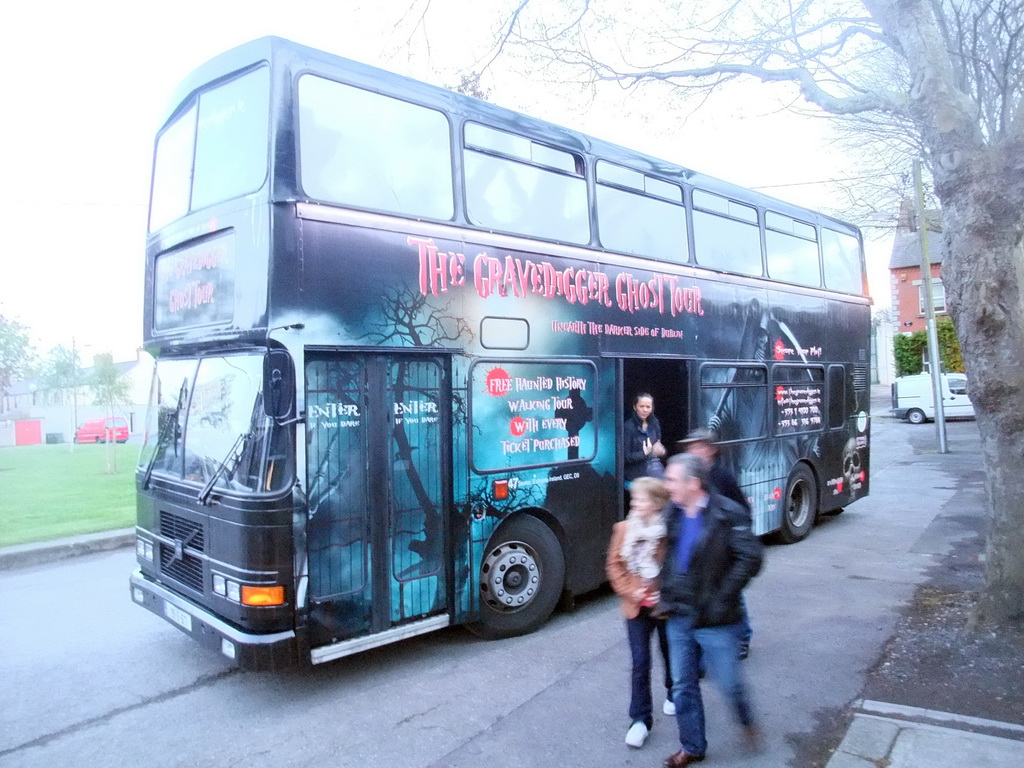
[(206, 422)]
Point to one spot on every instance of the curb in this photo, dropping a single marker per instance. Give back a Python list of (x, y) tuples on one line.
[(900, 712), (907, 741), (39, 553)]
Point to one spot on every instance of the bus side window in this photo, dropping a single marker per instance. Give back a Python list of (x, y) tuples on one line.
[(395, 157), (518, 185), (639, 214), (844, 270), (836, 396), (791, 248), (726, 235), (734, 401), (799, 394)]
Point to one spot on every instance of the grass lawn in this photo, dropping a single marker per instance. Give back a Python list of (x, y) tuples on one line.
[(50, 491)]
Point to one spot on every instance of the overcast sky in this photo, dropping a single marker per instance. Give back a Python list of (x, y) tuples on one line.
[(86, 85)]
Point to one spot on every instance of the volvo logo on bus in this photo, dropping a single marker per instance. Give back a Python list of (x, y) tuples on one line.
[(180, 544)]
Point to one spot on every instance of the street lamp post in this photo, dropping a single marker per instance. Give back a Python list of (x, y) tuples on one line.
[(74, 392), (934, 359)]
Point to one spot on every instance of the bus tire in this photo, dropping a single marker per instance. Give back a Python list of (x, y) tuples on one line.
[(521, 579), (800, 505), (915, 416)]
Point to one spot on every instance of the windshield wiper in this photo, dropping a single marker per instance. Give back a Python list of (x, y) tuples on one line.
[(149, 467), (204, 495), (161, 438), (163, 433)]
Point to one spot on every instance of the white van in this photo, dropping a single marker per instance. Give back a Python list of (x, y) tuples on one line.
[(912, 397)]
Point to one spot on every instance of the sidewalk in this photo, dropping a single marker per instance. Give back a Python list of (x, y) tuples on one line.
[(907, 737), (42, 552), (898, 736)]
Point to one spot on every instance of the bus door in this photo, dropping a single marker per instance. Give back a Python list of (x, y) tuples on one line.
[(378, 440)]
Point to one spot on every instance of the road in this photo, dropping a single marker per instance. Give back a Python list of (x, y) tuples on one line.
[(92, 680)]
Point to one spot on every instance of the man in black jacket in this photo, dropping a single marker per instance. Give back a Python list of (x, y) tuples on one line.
[(710, 556), (704, 443)]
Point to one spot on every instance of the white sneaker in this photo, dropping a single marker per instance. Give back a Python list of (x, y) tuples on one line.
[(669, 707), (637, 734)]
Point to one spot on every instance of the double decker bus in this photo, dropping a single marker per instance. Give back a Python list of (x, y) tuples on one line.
[(397, 333)]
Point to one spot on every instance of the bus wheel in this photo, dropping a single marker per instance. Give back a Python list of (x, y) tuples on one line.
[(801, 506), (915, 416), (521, 579)]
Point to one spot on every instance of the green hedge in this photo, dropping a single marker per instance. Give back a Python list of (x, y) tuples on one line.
[(909, 349)]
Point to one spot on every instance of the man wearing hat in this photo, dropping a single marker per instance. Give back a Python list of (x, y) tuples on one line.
[(704, 443)]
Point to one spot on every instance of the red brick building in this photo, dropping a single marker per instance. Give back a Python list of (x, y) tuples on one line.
[(908, 290)]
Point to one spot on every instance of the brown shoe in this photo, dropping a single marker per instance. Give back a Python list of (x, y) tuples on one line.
[(681, 759), (753, 738)]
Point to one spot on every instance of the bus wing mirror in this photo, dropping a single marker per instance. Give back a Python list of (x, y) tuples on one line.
[(278, 384)]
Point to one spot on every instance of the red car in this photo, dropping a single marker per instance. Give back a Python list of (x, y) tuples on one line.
[(101, 430)]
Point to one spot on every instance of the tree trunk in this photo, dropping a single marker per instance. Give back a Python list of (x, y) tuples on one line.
[(979, 179), (111, 444), (983, 272)]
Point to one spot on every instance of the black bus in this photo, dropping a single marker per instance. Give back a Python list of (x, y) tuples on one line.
[(397, 332)]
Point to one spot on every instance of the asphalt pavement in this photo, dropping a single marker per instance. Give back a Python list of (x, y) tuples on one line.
[(880, 733)]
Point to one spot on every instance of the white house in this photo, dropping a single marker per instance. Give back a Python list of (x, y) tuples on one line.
[(30, 413)]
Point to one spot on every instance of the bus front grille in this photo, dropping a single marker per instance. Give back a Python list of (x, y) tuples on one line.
[(175, 561)]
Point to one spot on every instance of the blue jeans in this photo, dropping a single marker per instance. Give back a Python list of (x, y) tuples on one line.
[(639, 631), (718, 648)]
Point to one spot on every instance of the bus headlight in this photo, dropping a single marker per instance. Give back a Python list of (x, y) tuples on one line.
[(144, 549), (225, 587)]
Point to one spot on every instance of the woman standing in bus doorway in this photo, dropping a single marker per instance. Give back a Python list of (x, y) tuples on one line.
[(635, 554), (641, 443)]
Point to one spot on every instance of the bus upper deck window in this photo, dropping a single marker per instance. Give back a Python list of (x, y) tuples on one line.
[(639, 214), (841, 257), (725, 234), (791, 248), (217, 150), (395, 157), (172, 171), (232, 143), (519, 185)]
